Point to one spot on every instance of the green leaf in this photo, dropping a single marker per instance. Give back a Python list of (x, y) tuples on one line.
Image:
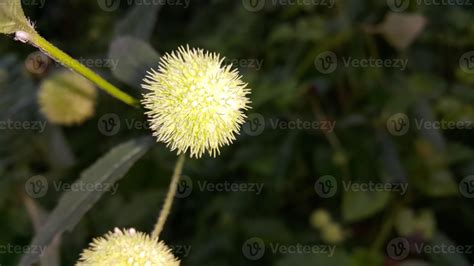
[(139, 22), (357, 205), (74, 204), (38, 216), (135, 57), (12, 18)]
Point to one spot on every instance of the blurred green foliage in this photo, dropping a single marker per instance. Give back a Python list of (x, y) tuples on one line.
[(288, 86)]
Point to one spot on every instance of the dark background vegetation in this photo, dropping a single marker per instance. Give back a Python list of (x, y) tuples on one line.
[(288, 162)]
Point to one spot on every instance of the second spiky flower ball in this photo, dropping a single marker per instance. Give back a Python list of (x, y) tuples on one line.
[(127, 247)]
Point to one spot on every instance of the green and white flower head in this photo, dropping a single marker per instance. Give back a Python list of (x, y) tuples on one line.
[(67, 98), (195, 102), (320, 218), (127, 248)]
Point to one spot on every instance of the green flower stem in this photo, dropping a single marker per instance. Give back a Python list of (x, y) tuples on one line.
[(70, 62), (178, 168)]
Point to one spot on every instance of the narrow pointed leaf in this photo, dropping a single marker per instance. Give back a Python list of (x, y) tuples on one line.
[(74, 204)]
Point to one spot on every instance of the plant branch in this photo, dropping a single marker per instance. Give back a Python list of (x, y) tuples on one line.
[(63, 58), (169, 197)]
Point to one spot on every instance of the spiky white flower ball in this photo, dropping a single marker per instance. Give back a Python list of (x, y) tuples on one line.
[(127, 248), (67, 98), (195, 102)]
